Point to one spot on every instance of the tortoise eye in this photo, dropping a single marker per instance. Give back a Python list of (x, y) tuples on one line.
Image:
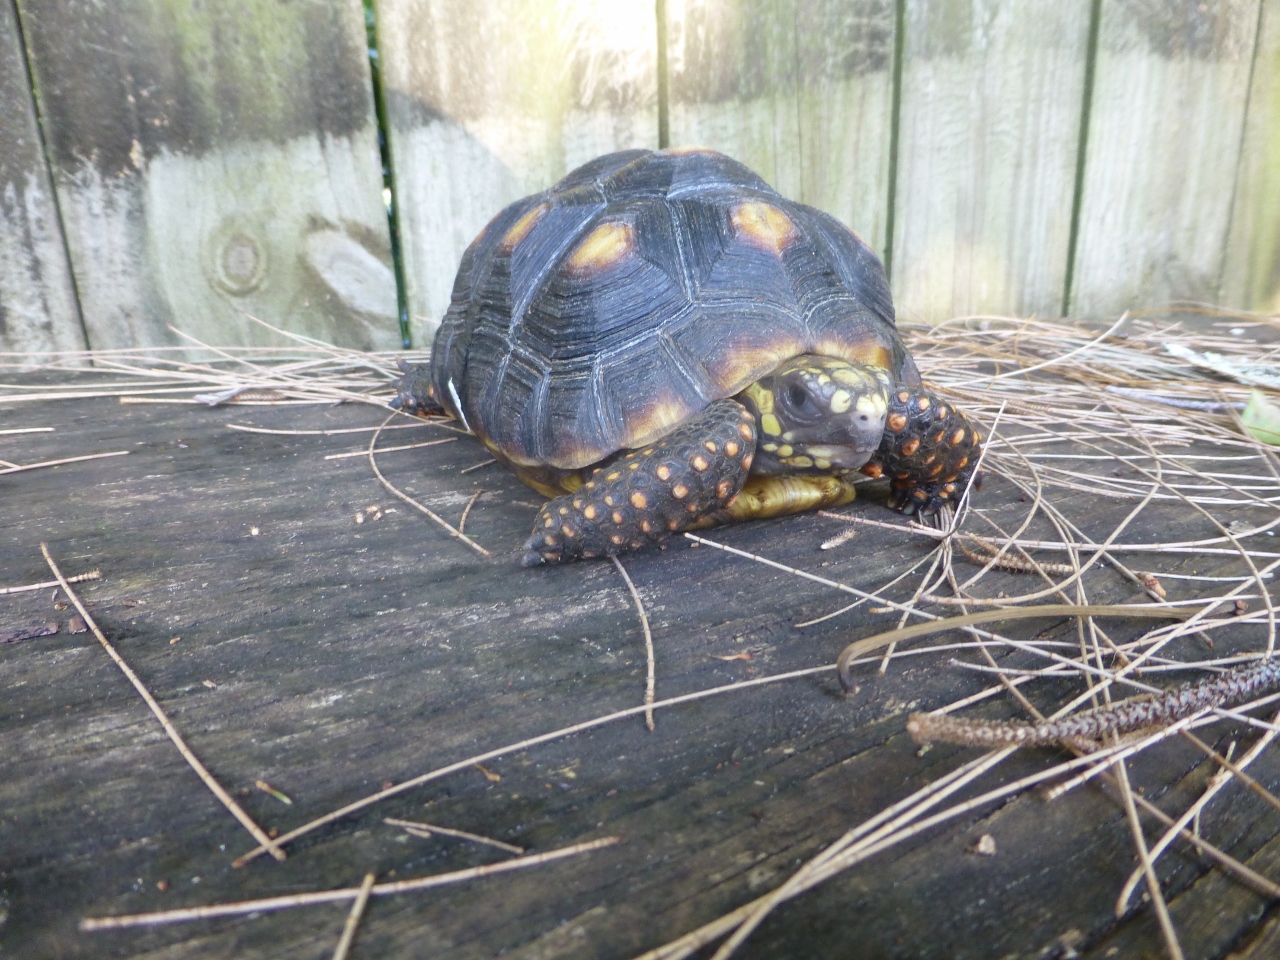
[(798, 397)]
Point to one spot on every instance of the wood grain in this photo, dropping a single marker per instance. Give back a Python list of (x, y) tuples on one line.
[(1251, 273), (800, 93), (990, 115), (1164, 145), (489, 102), (345, 655), (37, 303), (215, 160)]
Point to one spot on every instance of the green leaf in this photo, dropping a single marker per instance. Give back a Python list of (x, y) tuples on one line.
[(1261, 419)]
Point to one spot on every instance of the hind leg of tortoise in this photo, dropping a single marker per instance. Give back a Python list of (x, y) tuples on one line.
[(650, 493), (414, 392), (929, 452)]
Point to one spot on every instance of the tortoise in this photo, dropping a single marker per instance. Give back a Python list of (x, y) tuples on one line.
[(661, 341)]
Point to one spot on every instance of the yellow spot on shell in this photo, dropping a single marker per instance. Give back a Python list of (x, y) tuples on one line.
[(731, 448), (590, 511), (770, 425), (604, 246), (700, 463), (679, 491), (520, 229), (638, 501), (763, 225), (613, 476), (663, 472), (841, 401)]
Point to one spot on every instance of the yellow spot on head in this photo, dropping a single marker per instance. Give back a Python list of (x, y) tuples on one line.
[(520, 229), (800, 461), (762, 398), (771, 448), (770, 425), (841, 401), (763, 225), (604, 246), (821, 464), (785, 450), (873, 405)]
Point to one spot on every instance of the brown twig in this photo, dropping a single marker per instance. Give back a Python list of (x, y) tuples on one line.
[(353, 918), (649, 686), (216, 788), (79, 578), (269, 904), (425, 830)]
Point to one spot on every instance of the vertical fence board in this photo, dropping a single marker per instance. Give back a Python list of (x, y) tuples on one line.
[(1164, 139), (990, 115), (800, 93), (37, 302), (487, 102), (212, 160), (1251, 274)]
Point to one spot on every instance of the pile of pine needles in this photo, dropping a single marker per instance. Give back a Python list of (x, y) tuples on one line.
[(1074, 411)]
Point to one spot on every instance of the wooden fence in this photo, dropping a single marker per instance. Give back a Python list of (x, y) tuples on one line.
[(168, 162)]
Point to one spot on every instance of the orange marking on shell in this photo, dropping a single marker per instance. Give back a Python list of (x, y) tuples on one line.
[(568, 531), (903, 396), (958, 436), (731, 501), (663, 472), (617, 517), (679, 491), (746, 461), (646, 526), (745, 431), (564, 511), (977, 437), (911, 446), (930, 458), (590, 511), (944, 411), (549, 540), (949, 479), (604, 246), (609, 500), (710, 445), (731, 448), (591, 484), (922, 404), (520, 229), (633, 466), (896, 422), (692, 508), (723, 488), (616, 538), (937, 470), (873, 470), (614, 476), (638, 501), (673, 524), (961, 464), (700, 463), (763, 225)]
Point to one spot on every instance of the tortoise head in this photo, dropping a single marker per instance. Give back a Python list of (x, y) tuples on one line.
[(817, 415)]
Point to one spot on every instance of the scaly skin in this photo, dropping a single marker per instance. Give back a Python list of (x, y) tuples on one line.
[(648, 494), (929, 452)]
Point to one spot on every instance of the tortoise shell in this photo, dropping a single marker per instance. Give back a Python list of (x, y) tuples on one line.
[(601, 314)]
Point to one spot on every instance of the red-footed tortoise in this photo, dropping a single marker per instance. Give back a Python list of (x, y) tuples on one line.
[(661, 341)]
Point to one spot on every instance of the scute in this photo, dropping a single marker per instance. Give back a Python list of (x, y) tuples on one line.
[(600, 314)]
